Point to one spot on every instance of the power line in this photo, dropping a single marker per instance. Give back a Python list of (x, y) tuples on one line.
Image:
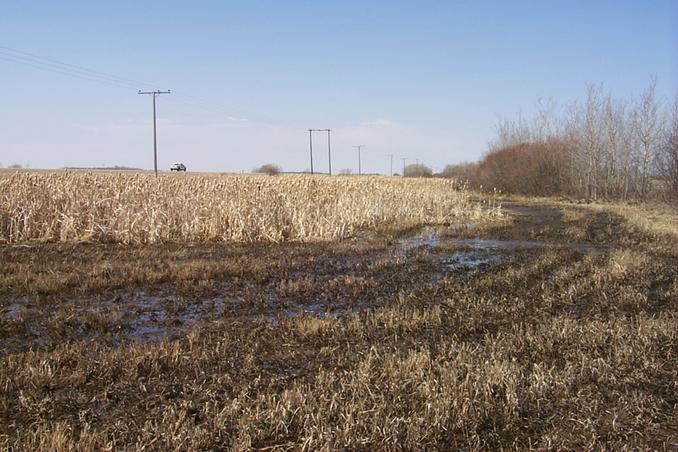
[(58, 70), (69, 67), (53, 65)]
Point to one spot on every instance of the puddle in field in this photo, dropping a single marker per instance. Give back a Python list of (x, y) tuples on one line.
[(429, 239), (490, 244), (430, 236), (11, 311), (476, 254), (323, 309), (317, 310), (195, 312), (313, 309), (467, 260), (139, 317), (143, 317), (293, 310), (473, 255), (157, 316)]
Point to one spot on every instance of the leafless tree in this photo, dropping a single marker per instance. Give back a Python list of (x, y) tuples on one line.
[(617, 149), (648, 131), (589, 139), (667, 160), (608, 147)]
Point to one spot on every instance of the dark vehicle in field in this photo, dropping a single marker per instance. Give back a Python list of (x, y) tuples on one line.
[(178, 167)]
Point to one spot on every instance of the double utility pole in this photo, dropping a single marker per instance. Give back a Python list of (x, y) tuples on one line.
[(155, 134), (310, 146), (404, 159), (391, 156), (359, 147), (329, 149)]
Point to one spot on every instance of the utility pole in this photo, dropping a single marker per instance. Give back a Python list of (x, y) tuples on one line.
[(329, 152), (391, 155), (358, 147), (155, 134), (310, 146), (404, 159)]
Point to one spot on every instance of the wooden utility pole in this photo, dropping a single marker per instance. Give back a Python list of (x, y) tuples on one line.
[(359, 147), (310, 146), (155, 133)]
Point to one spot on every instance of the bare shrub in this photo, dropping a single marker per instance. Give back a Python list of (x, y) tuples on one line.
[(418, 170), (269, 168), (465, 171)]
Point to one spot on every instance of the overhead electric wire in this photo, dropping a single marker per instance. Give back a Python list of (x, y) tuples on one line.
[(52, 65), (67, 67), (57, 70)]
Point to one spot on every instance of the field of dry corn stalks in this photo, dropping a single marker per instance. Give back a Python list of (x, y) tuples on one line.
[(139, 208), (551, 327)]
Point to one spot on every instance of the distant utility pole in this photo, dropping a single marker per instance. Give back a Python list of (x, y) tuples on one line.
[(391, 155), (359, 147), (329, 150), (155, 134), (417, 160), (404, 159), (310, 146)]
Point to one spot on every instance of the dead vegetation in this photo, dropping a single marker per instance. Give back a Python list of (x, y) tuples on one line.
[(565, 340), (139, 208), (604, 148)]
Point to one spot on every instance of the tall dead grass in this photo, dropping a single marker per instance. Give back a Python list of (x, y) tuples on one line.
[(138, 208)]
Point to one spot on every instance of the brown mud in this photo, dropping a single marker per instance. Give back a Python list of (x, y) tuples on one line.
[(551, 328)]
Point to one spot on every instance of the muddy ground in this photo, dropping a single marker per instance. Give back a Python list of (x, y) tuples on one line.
[(58, 293), (579, 298)]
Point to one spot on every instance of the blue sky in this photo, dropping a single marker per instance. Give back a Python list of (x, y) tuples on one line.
[(424, 80)]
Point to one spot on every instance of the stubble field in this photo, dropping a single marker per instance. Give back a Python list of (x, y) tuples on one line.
[(300, 313)]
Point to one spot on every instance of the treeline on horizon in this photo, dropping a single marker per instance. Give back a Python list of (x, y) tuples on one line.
[(606, 148)]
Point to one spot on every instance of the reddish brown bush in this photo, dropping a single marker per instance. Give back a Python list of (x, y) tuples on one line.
[(542, 168)]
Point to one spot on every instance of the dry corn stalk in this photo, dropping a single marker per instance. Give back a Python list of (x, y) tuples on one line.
[(139, 208)]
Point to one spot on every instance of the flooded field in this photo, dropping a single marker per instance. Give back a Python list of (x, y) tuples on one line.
[(147, 316), (550, 312)]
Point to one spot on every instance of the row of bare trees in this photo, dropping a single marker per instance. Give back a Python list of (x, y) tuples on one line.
[(606, 147)]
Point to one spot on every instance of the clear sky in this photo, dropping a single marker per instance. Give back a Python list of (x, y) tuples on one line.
[(425, 80)]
